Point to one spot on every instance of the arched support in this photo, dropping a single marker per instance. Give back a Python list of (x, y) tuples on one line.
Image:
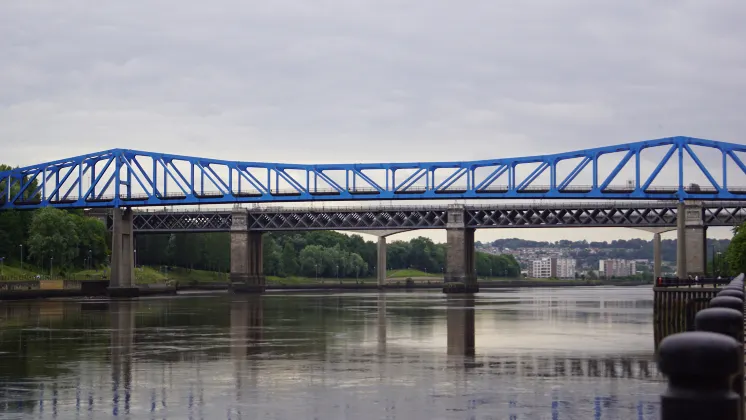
[(657, 261), (381, 263)]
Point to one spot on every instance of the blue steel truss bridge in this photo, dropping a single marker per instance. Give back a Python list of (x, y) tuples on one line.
[(639, 214), (697, 169)]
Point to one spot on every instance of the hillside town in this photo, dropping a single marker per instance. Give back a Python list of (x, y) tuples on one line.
[(594, 260)]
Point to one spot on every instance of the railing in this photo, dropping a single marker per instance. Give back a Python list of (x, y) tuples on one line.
[(692, 282), (705, 367), (361, 192)]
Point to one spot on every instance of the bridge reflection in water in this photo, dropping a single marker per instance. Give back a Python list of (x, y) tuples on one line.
[(304, 357)]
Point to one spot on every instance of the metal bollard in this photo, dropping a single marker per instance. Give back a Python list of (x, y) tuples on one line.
[(699, 366), (731, 292), (727, 302), (728, 322)]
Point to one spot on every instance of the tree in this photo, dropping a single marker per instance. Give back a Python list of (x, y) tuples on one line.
[(272, 255), (735, 255), (53, 235), (92, 236), (289, 263)]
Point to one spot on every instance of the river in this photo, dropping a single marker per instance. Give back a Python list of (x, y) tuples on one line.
[(571, 353)]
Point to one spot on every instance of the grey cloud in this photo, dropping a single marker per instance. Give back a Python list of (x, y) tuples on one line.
[(364, 80)]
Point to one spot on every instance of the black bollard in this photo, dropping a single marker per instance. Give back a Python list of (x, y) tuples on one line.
[(728, 322), (727, 302), (700, 366), (731, 292)]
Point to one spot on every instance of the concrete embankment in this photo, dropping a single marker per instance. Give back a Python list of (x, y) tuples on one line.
[(404, 286), (99, 288), (29, 290)]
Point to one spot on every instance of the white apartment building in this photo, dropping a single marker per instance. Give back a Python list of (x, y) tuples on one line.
[(563, 268), (543, 268), (617, 268), (566, 268)]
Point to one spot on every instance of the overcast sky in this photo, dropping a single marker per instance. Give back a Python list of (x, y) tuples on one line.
[(378, 80)]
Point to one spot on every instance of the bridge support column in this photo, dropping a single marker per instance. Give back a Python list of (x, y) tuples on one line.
[(691, 241), (656, 256), (247, 272), (460, 276), (122, 255), (381, 267)]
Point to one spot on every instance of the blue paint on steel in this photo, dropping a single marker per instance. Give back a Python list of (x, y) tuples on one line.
[(130, 178)]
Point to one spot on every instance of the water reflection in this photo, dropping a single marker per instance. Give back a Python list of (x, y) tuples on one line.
[(122, 315), (460, 324), (514, 354)]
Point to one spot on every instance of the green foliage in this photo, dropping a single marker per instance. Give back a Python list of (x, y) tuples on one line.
[(735, 255), (289, 262), (325, 254), (53, 236)]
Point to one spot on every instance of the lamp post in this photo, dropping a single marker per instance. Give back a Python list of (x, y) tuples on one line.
[(51, 264), (21, 246)]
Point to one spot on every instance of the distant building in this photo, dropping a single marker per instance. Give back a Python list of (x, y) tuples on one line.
[(566, 268), (617, 268), (563, 268)]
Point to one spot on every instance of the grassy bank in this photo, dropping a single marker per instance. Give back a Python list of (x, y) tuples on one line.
[(185, 276)]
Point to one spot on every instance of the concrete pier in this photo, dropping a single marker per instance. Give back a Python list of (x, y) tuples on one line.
[(656, 256), (460, 276), (381, 263), (122, 283), (247, 272)]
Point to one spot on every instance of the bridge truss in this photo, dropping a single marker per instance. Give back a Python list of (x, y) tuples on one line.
[(130, 178), (631, 214)]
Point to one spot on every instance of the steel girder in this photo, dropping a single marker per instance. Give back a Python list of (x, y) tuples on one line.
[(506, 216), (130, 178), (180, 222)]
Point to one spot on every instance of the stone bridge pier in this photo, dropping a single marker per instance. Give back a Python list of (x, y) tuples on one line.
[(460, 275), (247, 272), (691, 240)]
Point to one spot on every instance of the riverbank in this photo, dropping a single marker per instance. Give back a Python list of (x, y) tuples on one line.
[(497, 284), (150, 290)]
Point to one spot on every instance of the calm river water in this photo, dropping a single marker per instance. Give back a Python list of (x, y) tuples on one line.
[(580, 353)]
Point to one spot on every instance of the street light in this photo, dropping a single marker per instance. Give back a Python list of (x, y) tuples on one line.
[(51, 262), (21, 246)]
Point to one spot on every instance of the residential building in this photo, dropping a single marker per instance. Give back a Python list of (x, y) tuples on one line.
[(563, 268), (566, 268), (617, 268)]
